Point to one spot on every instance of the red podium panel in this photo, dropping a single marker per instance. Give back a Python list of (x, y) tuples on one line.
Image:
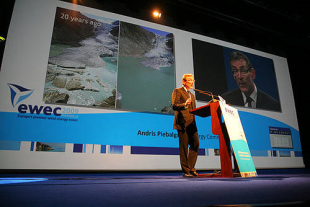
[(218, 128)]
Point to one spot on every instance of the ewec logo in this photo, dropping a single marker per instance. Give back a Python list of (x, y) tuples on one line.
[(19, 93)]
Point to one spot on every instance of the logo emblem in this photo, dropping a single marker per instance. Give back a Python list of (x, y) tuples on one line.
[(19, 93)]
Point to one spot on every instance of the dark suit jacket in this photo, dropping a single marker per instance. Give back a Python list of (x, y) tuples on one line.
[(264, 101), (182, 116)]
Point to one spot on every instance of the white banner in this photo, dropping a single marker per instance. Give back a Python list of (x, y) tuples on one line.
[(238, 140)]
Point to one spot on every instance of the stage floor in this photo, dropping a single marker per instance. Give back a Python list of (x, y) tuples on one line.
[(289, 187)]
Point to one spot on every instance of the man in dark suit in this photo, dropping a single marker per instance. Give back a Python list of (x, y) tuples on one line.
[(247, 94), (182, 102)]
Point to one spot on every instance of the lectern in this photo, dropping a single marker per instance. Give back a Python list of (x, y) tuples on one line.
[(218, 128)]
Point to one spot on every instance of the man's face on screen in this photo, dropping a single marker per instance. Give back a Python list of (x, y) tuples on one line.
[(243, 75)]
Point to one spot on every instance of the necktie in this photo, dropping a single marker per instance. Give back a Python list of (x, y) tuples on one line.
[(249, 101), (189, 94)]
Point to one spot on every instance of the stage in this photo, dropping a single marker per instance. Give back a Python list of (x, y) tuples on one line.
[(285, 187)]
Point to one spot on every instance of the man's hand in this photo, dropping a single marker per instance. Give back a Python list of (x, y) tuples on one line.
[(188, 102)]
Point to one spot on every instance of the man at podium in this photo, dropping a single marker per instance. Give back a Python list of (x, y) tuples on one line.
[(182, 102)]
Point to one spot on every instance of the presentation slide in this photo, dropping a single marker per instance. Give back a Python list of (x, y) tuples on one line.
[(100, 62)]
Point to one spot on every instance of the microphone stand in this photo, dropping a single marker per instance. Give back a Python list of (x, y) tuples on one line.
[(208, 93)]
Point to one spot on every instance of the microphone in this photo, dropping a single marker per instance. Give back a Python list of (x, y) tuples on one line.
[(208, 93)]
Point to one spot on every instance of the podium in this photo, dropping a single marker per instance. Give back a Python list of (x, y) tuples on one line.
[(218, 128)]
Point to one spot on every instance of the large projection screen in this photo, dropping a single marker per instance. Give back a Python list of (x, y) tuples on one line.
[(86, 89)]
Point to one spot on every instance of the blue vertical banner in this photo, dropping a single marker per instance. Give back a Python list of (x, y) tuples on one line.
[(238, 140)]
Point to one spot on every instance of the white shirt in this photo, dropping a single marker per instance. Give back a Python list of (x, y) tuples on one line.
[(185, 89), (253, 96)]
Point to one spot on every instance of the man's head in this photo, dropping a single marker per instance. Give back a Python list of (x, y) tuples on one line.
[(243, 72), (188, 81)]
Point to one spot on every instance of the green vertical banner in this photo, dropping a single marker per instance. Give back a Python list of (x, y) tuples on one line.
[(238, 140)]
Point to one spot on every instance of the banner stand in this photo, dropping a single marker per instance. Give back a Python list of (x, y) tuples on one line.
[(219, 128)]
